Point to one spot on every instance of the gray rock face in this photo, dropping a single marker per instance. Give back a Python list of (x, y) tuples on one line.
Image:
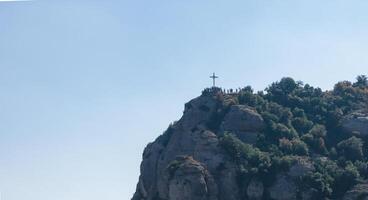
[(308, 194), (207, 175), (283, 189), (244, 122), (255, 189), (359, 191), (302, 166), (198, 111), (190, 180), (227, 183), (356, 123), (285, 186)]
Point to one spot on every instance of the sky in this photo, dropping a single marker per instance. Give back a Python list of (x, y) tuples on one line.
[(86, 85)]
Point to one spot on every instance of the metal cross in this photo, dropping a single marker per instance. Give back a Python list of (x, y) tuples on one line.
[(214, 79)]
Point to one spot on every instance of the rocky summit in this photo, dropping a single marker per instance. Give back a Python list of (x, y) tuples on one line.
[(291, 141)]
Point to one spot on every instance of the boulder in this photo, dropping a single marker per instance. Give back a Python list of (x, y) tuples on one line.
[(244, 122), (190, 180)]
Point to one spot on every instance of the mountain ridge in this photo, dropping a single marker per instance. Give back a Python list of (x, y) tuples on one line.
[(292, 141)]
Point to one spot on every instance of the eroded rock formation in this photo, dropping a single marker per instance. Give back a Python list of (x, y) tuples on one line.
[(187, 162)]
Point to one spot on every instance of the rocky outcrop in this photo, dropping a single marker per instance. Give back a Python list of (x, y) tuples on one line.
[(285, 186), (244, 122), (189, 179), (188, 162), (206, 172), (255, 189), (301, 167), (356, 123), (227, 182), (283, 189)]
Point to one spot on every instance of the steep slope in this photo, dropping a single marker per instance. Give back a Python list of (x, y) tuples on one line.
[(241, 145), (184, 161)]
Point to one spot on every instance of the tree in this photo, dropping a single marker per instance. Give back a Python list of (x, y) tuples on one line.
[(345, 179), (288, 85), (315, 138), (361, 81), (279, 91), (342, 87), (351, 149), (294, 146), (318, 131), (302, 125)]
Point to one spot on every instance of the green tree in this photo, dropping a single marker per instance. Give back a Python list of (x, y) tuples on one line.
[(351, 149), (361, 81)]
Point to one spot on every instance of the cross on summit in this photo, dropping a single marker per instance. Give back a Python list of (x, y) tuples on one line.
[(214, 79)]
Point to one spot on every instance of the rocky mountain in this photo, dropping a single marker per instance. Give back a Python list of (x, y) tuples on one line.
[(291, 142)]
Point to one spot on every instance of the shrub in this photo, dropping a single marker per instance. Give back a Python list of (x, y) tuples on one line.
[(319, 181), (294, 146), (244, 154)]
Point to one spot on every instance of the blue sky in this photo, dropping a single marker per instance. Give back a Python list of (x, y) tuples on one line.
[(85, 85)]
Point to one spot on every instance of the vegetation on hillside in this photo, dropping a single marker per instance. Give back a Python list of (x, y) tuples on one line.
[(302, 120)]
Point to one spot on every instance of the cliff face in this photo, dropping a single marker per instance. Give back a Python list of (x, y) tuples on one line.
[(188, 161), (181, 164)]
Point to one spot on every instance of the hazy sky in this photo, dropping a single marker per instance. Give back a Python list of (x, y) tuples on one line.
[(85, 85)]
